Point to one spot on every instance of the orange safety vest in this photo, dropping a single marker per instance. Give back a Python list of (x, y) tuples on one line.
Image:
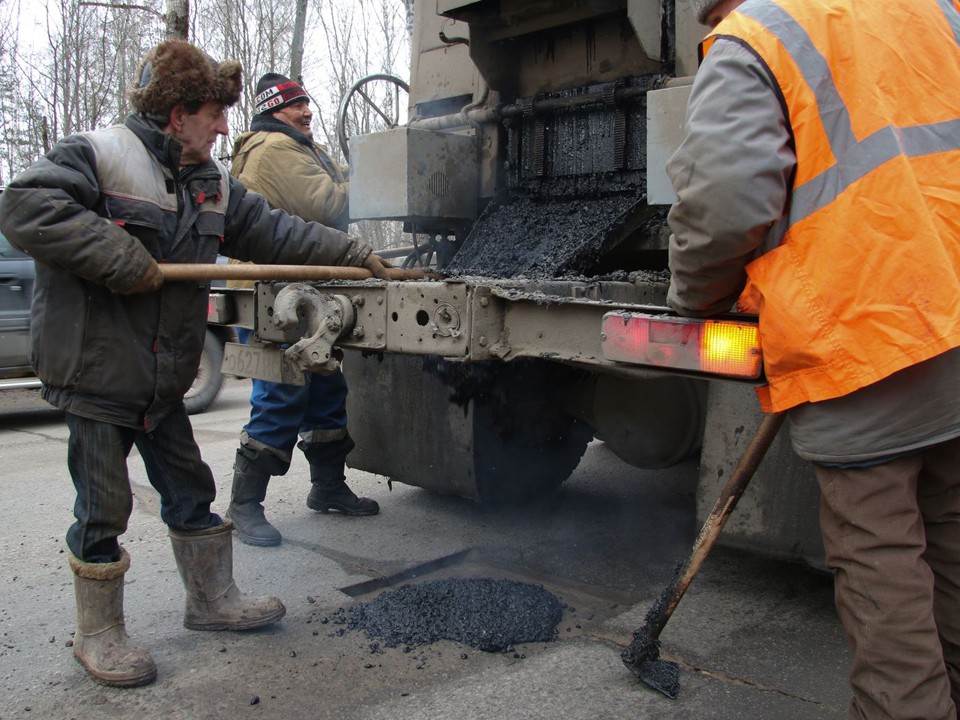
[(864, 276)]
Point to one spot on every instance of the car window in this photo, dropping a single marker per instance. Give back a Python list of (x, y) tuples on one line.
[(9, 252)]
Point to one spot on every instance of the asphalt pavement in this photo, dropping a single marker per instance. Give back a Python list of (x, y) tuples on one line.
[(754, 638)]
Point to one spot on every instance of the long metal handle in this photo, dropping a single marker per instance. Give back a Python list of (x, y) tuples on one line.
[(173, 272)]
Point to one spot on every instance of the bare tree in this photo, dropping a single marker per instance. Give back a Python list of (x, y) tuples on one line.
[(361, 39), (296, 50), (10, 128), (76, 81), (24, 127), (177, 18), (77, 77), (257, 34), (409, 8)]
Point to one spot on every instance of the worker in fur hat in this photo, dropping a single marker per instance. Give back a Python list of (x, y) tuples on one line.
[(116, 348)]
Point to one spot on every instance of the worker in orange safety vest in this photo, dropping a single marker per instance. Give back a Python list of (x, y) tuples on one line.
[(819, 187)]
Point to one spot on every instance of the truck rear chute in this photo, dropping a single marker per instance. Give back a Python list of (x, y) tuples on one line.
[(530, 178)]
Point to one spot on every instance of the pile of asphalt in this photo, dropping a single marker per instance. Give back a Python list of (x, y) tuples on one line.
[(538, 238), (490, 615)]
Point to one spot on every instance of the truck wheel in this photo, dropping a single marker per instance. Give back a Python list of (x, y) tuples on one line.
[(534, 463), (526, 443), (206, 386), (491, 432)]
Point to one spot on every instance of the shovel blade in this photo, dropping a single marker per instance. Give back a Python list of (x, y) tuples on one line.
[(662, 675), (642, 657)]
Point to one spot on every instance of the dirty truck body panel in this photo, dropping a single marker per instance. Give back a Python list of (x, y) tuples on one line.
[(531, 175)]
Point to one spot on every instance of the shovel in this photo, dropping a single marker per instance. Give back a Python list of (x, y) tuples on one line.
[(642, 656)]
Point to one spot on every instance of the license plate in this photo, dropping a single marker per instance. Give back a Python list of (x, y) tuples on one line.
[(262, 363)]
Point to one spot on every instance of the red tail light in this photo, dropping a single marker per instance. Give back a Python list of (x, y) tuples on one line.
[(718, 347), (220, 309)]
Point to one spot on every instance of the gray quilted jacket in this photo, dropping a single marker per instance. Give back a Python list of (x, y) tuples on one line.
[(92, 213)]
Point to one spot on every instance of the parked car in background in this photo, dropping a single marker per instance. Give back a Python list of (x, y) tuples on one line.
[(17, 275), (209, 381), (16, 290)]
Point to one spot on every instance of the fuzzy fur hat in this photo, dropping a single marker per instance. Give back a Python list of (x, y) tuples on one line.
[(176, 72), (702, 7)]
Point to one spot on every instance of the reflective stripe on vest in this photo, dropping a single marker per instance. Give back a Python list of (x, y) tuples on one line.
[(876, 142), (855, 159)]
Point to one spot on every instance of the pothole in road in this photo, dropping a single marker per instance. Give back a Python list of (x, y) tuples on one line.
[(476, 601)]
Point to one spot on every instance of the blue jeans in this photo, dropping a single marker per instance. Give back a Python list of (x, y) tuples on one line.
[(97, 459), (279, 413)]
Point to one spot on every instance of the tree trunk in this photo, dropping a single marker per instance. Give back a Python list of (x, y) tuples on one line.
[(177, 19), (296, 49), (409, 5)]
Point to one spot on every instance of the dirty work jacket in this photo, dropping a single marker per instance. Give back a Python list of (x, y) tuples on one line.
[(93, 213), (858, 277), (291, 172)]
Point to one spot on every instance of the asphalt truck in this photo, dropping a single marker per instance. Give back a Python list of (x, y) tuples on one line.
[(530, 177)]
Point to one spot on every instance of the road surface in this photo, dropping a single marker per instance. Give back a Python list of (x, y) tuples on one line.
[(754, 638)]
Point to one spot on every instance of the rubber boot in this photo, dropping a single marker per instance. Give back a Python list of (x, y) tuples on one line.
[(101, 643), (214, 602), (330, 492), (246, 509)]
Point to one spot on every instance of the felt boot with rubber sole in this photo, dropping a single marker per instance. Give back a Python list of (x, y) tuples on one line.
[(101, 643)]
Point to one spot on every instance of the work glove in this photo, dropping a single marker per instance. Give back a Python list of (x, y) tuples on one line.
[(151, 281), (378, 266)]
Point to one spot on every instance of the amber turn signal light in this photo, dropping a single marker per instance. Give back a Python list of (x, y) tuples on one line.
[(717, 347)]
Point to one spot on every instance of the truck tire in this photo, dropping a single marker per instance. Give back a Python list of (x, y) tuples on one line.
[(491, 432), (526, 443), (209, 381)]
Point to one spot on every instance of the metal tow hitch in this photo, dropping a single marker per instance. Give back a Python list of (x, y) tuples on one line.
[(327, 318)]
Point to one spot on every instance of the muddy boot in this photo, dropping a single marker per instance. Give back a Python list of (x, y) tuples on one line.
[(101, 643), (330, 492), (205, 561), (246, 498)]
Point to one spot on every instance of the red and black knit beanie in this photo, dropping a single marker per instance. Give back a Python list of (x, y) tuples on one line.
[(276, 91)]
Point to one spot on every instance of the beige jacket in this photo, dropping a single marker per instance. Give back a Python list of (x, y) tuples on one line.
[(293, 175)]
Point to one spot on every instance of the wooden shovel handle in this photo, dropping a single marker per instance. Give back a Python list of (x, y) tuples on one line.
[(173, 272)]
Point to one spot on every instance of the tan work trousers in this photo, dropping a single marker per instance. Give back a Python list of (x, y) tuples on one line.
[(892, 539)]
